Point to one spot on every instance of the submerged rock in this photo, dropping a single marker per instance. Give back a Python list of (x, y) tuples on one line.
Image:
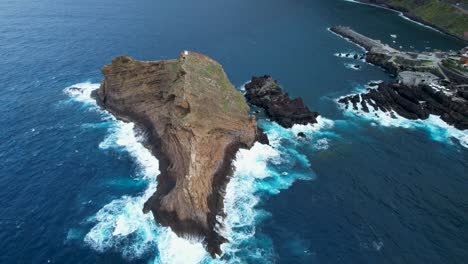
[(373, 84), (301, 135), (195, 121), (266, 93)]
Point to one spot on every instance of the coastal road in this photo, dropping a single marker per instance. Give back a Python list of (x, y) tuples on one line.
[(462, 6)]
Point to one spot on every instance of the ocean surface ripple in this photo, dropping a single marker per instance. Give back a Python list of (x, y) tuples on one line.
[(260, 171)]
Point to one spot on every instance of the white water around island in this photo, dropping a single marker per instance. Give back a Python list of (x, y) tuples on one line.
[(121, 226)]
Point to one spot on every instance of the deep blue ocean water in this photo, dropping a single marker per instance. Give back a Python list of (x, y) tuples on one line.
[(357, 191)]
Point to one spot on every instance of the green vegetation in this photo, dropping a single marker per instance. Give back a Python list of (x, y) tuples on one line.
[(427, 63), (454, 65), (232, 100), (443, 14), (216, 72), (174, 67)]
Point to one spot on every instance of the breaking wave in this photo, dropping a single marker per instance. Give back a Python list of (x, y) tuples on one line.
[(352, 66), (122, 227), (438, 129)]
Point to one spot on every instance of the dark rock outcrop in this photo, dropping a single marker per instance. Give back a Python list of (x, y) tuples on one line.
[(301, 135), (195, 121), (383, 61), (266, 93), (418, 93), (413, 102), (262, 137)]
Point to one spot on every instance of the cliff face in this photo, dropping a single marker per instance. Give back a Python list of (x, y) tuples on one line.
[(195, 121)]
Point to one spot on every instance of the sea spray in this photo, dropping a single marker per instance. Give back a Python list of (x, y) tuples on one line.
[(434, 125), (121, 225), (263, 170)]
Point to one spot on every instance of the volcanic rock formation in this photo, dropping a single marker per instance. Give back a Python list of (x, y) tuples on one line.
[(266, 93), (413, 102), (195, 121)]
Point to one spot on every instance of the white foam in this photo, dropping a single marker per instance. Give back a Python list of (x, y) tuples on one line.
[(240, 200), (322, 124), (352, 66), (242, 197), (322, 144), (121, 225), (177, 250), (81, 92), (438, 129), (122, 220), (260, 171), (351, 55)]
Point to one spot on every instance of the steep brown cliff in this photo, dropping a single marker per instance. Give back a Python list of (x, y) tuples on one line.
[(195, 121)]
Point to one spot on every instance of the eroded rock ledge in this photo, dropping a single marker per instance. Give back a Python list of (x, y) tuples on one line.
[(424, 85), (413, 102), (265, 92), (195, 121)]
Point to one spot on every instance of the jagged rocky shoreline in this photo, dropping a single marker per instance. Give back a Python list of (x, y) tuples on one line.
[(423, 86), (417, 102), (195, 121)]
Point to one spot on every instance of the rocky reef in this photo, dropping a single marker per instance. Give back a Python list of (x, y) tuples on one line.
[(265, 92), (422, 86), (195, 122), (413, 102)]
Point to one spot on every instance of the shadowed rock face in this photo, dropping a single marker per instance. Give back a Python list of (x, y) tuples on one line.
[(195, 121), (266, 93), (413, 102)]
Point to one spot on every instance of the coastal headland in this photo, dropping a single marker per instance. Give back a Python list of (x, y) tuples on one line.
[(195, 121), (428, 83)]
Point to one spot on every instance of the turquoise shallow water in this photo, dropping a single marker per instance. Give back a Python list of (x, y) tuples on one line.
[(356, 191)]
